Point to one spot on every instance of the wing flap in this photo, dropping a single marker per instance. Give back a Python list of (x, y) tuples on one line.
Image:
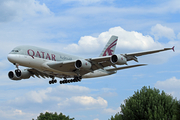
[(100, 62), (37, 73), (125, 67)]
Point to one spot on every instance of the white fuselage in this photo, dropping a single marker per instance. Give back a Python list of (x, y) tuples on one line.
[(37, 58)]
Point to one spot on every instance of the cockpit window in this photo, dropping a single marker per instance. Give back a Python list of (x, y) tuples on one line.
[(15, 51)]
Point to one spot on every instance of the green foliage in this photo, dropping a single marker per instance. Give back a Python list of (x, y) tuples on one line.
[(148, 104), (178, 110), (51, 116), (117, 116)]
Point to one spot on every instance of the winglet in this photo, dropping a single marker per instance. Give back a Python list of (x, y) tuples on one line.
[(173, 48)]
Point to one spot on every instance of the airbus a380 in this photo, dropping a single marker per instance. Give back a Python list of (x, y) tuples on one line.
[(50, 64)]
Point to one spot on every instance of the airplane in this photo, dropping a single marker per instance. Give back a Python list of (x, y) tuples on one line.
[(45, 63)]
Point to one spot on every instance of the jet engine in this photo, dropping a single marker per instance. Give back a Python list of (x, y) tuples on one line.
[(118, 59), (82, 64), (19, 74)]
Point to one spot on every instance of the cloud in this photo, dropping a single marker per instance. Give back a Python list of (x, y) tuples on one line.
[(159, 31), (32, 22), (172, 6), (85, 44), (36, 31), (14, 114), (17, 9), (19, 112), (178, 36), (170, 86), (90, 101), (172, 83), (86, 2), (51, 94), (72, 90), (4, 64), (127, 40), (111, 111), (65, 97), (112, 10), (39, 96), (96, 119), (85, 102)]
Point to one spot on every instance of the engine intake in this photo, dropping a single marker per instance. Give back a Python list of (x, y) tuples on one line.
[(118, 59), (82, 64), (12, 76), (19, 74)]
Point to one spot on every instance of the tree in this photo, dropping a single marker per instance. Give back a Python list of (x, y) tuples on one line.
[(51, 116), (178, 110), (148, 104), (117, 116)]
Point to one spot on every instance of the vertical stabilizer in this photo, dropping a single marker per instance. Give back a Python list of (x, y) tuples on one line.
[(110, 46)]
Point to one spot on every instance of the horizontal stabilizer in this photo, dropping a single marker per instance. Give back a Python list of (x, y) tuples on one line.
[(125, 67)]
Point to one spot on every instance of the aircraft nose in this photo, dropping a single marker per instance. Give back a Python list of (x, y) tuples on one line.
[(10, 57)]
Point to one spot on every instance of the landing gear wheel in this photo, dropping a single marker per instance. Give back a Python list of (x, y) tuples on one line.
[(49, 82), (55, 81), (76, 79)]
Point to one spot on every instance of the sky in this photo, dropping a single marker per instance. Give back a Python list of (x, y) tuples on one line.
[(82, 28)]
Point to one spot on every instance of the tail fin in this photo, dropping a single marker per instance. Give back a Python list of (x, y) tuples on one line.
[(110, 47)]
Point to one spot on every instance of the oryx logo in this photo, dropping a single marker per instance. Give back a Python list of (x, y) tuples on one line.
[(109, 50)]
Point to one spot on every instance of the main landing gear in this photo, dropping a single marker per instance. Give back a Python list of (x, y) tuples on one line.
[(76, 79), (53, 80)]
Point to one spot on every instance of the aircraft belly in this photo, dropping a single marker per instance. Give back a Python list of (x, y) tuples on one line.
[(56, 73), (96, 73)]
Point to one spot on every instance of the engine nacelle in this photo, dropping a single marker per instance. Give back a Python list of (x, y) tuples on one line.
[(12, 76), (118, 59), (19, 74), (82, 64)]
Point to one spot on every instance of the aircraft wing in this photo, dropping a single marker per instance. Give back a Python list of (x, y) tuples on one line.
[(132, 56), (92, 64), (100, 62), (69, 66), (64, 66)]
